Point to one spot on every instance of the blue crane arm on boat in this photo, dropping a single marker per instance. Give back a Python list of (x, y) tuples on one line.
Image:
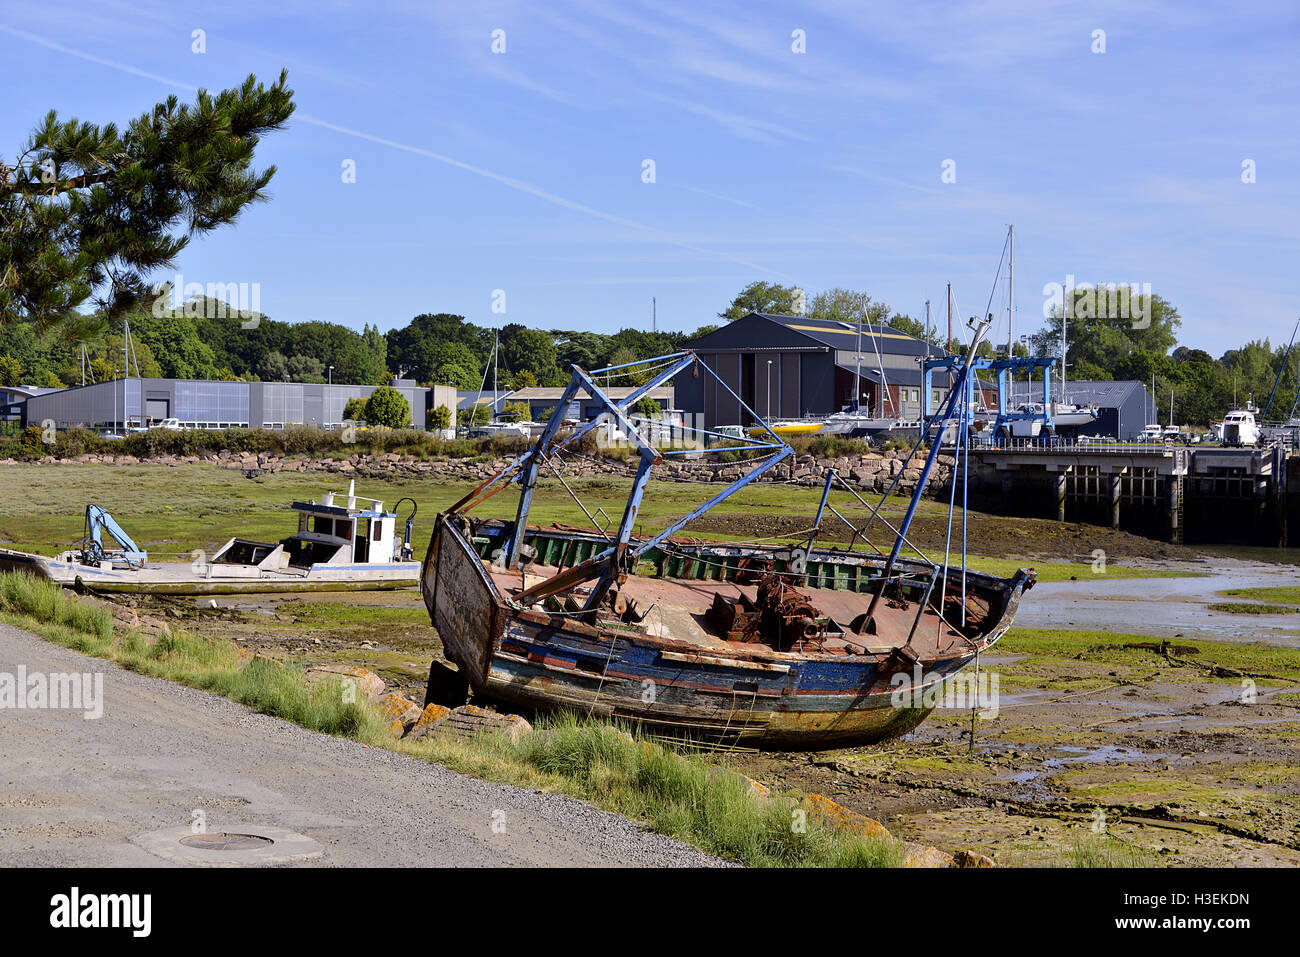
[(98, 521)]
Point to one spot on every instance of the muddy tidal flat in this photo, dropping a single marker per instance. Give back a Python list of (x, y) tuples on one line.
[(1133, 724)]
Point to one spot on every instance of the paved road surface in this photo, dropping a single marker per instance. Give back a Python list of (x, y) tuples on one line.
[(76, 792)]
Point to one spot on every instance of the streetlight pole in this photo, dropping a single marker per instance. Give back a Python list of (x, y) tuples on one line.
[(769, 388), (331, 375)]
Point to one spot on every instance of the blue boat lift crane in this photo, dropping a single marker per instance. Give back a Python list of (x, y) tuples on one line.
[(99, 521), (1009, 423)]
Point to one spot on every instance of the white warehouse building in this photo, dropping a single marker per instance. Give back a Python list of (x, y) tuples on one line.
[(209, 404)]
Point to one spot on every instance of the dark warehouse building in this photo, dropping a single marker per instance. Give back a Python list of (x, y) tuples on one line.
[(791, 367)]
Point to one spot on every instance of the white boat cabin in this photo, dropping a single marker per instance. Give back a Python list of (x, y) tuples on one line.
[(335, 531), (370, 531)]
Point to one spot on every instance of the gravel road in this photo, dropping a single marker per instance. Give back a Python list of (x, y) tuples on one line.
[(83, 792)]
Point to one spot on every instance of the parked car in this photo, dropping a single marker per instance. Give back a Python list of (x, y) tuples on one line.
[(721, 433)]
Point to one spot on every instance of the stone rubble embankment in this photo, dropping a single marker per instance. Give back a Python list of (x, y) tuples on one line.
[(873, 471)]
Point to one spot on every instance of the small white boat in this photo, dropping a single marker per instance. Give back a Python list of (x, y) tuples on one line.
[(1240, 429), (343, 543), (1064, 413)]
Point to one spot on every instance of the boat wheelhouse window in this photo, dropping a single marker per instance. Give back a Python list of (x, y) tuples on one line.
[(376, 529), (338, 528)]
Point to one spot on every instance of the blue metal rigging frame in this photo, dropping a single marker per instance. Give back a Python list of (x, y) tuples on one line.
[(609, 563)]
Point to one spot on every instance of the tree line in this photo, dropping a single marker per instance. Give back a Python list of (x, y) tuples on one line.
[(88, 212), (207, 340)]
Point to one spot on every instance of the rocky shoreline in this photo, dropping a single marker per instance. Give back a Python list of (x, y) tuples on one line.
[(868, 472)]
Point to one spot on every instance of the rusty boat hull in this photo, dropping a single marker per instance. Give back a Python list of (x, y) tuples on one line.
[(675, 672)]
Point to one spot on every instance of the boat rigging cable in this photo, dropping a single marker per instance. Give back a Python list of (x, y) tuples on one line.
[(1285, 359), (959, 401)]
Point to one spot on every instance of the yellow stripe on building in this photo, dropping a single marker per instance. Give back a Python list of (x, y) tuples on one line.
[(851, 332)]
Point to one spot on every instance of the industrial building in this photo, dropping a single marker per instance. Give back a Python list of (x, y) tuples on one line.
[(1124, 407), (494, 400), (207, 404), (791, 367), (542, 400)]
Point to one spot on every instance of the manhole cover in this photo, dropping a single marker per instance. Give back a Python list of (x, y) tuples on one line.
[(249, 844), (227, 842)]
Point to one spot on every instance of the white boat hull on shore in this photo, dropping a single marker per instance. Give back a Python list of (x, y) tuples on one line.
[(211, 579)]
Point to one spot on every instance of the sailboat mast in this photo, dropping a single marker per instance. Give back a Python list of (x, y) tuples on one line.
[(857, 376), (947, 345), (1063, 352), (1011, 304), (1011, 294)]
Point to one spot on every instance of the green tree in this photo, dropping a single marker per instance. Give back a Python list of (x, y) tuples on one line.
[(415, 350), (440, 418), (331, 344), (389, 407), (523, 380), (516, 411), (647, 407), (850, 305), (354, 410), (274, 367), (377, 343), (453, 363), (173, 339), (587, 350), (847, 305), (11, 370), (622, 356), (529, 350), (479, 414), (90, 211), (1101, 335), (763, 297)]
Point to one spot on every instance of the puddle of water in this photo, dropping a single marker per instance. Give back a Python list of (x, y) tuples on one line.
[(1065, 755), (1174, 606)]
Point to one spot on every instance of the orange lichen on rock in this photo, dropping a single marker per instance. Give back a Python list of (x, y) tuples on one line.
[(428, 720), (837, 815), (367, 682)]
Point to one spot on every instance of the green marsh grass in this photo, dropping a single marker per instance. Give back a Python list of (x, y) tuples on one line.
[(679, 795)]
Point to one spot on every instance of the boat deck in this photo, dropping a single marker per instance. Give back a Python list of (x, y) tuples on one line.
[(678, 609)]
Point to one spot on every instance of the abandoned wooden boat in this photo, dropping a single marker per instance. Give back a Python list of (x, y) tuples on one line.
[(797, 645), (343, 543)]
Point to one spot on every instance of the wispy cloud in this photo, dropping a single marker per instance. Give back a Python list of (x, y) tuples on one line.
[(508, 181)]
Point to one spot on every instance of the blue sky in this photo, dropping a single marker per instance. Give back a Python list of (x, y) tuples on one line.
[(522, 171)]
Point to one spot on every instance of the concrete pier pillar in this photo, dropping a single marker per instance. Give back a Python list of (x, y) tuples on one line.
[(1173, 494), (1008, 487), (1261, 529), (1060, 496), (1115, 478)]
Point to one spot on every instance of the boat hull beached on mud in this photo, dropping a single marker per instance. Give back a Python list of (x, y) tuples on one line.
[(339, 546), (790, 646), (678, 660)]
